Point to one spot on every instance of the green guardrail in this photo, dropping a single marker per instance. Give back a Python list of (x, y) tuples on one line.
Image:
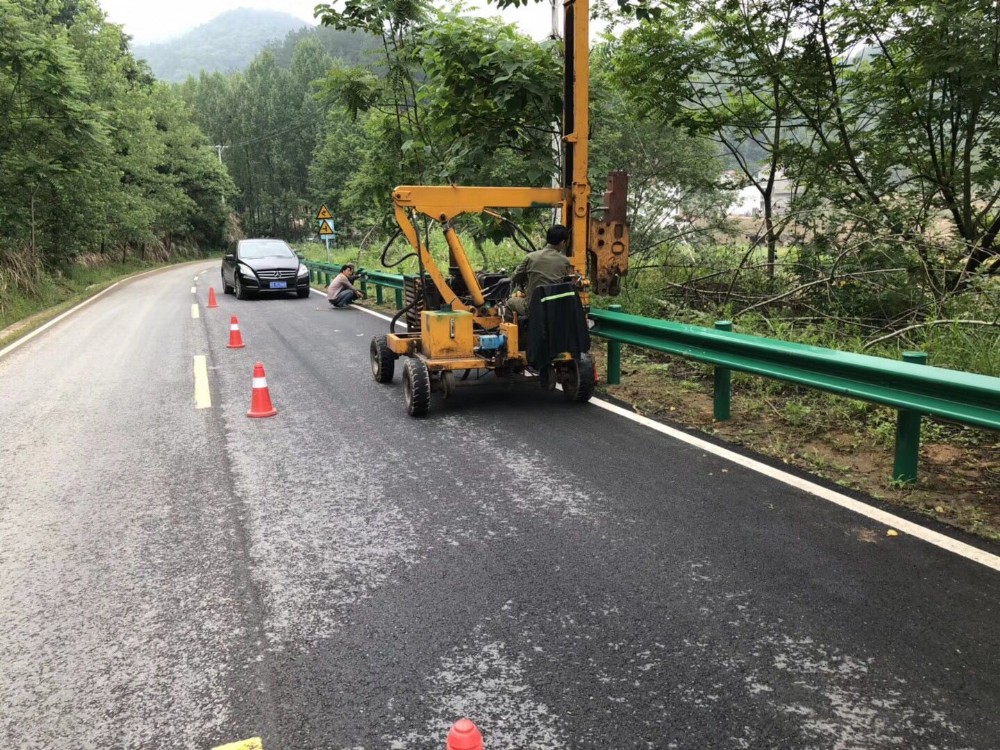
[(323, 273), (910, 386), (383, 281)]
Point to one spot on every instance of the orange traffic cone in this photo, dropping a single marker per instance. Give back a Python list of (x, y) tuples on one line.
[(211, 297), (235, 337), (260, 403), (464, 736)]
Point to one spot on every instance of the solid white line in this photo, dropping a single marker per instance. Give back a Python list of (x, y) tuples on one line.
[(52, 322), (899, 524), (72, 310), (366, 310)]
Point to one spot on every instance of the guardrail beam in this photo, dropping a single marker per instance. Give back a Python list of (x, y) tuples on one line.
[(911, 387)]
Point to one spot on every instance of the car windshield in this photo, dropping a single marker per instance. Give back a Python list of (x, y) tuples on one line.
[(255, 249)]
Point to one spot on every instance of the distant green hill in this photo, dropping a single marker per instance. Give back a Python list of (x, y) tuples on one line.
[(226, 43)]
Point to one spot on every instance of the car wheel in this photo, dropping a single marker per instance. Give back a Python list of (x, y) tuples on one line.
[(226, 289), (383, 360), (578, 383), (241, 291), (416, 387)]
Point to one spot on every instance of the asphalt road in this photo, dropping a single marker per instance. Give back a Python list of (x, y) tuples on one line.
[(344, 576)]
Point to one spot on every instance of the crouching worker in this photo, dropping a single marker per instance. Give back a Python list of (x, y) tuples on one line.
[(546, 266), (342, 291)]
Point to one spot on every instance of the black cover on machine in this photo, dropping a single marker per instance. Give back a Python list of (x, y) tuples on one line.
[(556, 324)]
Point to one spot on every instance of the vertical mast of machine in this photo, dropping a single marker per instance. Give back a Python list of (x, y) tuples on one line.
[(575, 128)]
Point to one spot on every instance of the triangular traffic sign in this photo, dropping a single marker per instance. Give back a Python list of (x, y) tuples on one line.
[(325, 228), (324, 213)]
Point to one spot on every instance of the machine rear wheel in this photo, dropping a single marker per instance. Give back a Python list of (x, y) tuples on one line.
[(578, 383), (383, 360), (416, 387)]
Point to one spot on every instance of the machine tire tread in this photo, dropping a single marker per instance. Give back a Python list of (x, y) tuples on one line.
[(417, 387), (382, 359), (581, 388)]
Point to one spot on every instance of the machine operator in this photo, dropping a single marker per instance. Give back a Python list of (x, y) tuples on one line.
[(546, 266)]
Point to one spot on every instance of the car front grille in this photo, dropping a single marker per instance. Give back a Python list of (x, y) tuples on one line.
[(276, 273)]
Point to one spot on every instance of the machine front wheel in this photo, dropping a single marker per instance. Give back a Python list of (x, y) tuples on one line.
[(383, 360), (416, 387), (578, 382)]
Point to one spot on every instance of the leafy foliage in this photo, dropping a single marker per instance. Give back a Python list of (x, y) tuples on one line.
[(97, 156)]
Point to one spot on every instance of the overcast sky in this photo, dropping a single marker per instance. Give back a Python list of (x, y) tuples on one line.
[(156, 20)]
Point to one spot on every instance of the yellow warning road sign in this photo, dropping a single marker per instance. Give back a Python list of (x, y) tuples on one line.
[(324, 213), (325, 228)]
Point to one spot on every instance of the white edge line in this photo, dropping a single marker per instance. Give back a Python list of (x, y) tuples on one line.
[(42, 329), (884, 517), (900, 524)]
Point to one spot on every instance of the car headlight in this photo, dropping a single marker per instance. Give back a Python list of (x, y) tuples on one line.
[(303, 271), (245, 270)]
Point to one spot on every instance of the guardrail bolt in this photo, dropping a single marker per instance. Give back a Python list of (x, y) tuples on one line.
[(722, 376), (904, 468), (614, 355)]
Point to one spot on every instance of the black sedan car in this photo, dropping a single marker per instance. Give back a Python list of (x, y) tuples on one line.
[(260, 266)]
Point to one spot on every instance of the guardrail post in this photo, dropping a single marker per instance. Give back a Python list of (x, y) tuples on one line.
[(399, 299), (614, 355), (904, 467), (378, 293), (722, 376), (364, 287)]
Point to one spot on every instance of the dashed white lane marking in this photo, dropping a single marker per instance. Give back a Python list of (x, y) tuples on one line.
[(194, 290), (194, 311), (901, 524), (202, 395)]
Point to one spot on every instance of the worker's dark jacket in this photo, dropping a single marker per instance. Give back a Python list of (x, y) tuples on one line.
[(556, 324)]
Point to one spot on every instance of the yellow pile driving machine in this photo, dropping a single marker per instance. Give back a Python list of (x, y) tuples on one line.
[(458, 326)]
